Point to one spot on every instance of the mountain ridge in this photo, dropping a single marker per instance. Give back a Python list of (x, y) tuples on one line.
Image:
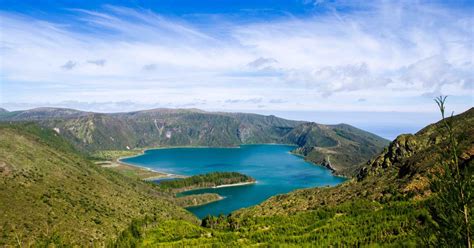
[(90, 132)]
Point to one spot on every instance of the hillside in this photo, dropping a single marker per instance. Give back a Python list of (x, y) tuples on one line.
[(387, 205), (342, 148), (339, 147), (401, 171), (156, 127), (50, 193)]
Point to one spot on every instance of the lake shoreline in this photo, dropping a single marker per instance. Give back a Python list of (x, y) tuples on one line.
[(220, 198), (220, 186), (171, 175), (166, 175), (233, 185), (277, 169), (333, 171), (161, 174)]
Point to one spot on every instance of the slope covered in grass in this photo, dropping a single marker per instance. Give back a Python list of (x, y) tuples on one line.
[(50, 193)]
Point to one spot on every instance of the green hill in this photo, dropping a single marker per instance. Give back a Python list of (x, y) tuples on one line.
[(50, 193), (342, 148)]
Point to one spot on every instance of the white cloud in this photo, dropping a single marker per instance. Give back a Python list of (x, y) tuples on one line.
[(387, 50)]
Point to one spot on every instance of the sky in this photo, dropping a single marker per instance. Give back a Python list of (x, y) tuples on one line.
[(325, 61)]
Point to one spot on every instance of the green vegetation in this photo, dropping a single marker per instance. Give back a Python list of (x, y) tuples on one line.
[(209, 180), (356, 223), (50, 193), (341, 148), (133, 171), (114, 154), (453, 185), (196, 199)]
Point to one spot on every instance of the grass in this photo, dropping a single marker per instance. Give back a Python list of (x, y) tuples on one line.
[(110, 155), (355, 223), (49, 190)]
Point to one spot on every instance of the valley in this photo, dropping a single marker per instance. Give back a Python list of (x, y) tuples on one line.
[(385, 201)]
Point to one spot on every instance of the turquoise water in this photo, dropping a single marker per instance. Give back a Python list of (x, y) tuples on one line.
[(276, 170)]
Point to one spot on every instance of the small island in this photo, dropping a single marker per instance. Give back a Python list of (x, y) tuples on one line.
[(209, 180)]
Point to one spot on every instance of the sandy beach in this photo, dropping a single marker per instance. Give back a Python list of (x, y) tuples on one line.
[(234, 184)]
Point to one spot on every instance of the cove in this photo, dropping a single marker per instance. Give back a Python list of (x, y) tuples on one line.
[(276, 170)]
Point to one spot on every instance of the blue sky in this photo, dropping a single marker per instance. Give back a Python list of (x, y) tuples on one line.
[(278, 57)]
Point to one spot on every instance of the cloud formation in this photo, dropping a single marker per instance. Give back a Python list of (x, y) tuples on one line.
[(98, 62), (262, 62), (69, 65), (383, 52)]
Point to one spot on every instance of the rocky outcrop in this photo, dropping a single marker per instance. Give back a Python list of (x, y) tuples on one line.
[(411, 159), (403, 147)]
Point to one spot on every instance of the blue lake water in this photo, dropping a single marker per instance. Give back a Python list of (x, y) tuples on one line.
[(276, 170)]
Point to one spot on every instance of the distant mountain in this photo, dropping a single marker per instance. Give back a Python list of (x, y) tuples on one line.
[(41, 114), (157, 127), (339, 147), (2, 110), (50, 193)]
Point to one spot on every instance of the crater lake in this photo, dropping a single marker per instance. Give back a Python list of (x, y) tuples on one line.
[(275, 168)]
